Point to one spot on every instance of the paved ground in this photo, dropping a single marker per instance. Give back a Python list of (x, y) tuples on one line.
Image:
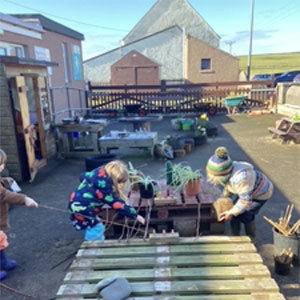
[(42, 238)]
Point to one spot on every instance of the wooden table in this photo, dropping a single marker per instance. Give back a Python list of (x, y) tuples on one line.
[(80, 140), (133, 140), (162, 268), (286, 129), (141, 122)]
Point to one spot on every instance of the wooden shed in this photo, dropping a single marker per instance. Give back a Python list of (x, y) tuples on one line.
[(135, 69)]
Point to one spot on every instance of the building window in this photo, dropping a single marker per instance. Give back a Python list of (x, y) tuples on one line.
[(2, 51), (66, 62), (205, 64), (12, 49)]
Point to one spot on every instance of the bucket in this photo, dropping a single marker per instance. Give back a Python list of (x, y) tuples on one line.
[(282, 268), (186, 125), (287, 242)]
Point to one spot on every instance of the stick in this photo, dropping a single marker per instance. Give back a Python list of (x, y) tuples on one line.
[(277, 226), (294, 228), (289, 215), (2, 285)]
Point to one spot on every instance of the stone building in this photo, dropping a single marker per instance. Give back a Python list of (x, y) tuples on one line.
[(176, 38)]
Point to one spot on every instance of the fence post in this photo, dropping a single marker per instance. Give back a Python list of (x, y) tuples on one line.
[(80, 101)]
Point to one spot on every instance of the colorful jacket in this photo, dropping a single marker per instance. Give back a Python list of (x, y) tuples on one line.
[(8, 198), (95, 190), (248, 184)]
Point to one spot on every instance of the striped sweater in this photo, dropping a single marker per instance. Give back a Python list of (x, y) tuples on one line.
[(248, 184)]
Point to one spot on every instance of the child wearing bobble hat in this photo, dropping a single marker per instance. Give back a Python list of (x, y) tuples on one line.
[(251, 188), (7, 198)]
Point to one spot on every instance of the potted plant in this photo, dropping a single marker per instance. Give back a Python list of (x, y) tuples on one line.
[(145, 184), (185, 178), (199, 135), (134, 176)]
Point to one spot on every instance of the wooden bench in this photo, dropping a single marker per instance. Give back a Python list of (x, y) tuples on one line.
[(203, 268), (286, 129)]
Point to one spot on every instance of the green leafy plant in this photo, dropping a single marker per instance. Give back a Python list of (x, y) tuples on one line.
[(182, 174)]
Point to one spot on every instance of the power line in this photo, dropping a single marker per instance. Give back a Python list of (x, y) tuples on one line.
[(66, 19)]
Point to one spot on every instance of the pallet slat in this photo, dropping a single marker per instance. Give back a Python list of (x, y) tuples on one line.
[(150, 262), (183, 241), (171, 274), (181, 287), (161, 250)]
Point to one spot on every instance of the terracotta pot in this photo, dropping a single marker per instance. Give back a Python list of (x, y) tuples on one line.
[(192, 187)]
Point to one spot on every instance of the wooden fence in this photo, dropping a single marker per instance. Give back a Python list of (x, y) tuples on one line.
[(178, 98)]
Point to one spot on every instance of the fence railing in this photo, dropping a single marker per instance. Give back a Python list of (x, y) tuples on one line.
[(184, 97)]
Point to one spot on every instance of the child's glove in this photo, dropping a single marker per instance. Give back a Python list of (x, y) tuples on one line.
[(30, 202), (140, 219)]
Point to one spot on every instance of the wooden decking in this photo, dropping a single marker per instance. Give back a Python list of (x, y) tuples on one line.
[(210, 268)]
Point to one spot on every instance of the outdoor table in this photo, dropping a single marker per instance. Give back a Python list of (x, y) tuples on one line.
[(141, 122), (132, 140), (80, 139)]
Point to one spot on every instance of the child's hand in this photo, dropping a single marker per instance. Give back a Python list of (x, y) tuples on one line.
[(141, 219), (30, 202), (225, 216)]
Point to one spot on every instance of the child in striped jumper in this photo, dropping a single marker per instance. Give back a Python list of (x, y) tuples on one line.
[(250, 187)]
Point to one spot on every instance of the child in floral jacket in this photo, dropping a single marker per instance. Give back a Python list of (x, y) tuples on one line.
[(104, 185)]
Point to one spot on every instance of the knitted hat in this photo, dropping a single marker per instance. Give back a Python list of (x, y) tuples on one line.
[(219, 166)]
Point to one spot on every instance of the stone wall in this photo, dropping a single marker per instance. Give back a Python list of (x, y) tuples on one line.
[(8, 141), (288, 95)]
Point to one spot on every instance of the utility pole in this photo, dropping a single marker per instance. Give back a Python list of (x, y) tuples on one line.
[(250, 44), (230, 43)]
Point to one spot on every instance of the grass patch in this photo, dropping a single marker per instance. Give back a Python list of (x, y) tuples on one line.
[(271, 63)]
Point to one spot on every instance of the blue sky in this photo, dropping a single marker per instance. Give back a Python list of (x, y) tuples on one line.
[(105, 22)]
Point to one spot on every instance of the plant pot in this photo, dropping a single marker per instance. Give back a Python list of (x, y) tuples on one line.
[(200, 139), (187, 125), (192, 187), (285, 242), (146, 192), (282, 268)]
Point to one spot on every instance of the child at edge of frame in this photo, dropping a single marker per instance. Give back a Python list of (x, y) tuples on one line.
[(7, 198), (104, 185)]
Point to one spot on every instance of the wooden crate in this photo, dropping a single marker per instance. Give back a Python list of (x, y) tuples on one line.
[(204, 268)]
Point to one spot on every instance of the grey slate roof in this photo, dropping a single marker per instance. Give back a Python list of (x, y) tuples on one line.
[(52, 25), (166, 13), (15, 21)]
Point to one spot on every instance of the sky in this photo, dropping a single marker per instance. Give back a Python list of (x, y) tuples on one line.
[(105, 22)]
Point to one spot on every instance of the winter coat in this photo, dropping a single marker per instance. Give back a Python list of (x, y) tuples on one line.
[(7, 198), (248, 184), (86, 202)]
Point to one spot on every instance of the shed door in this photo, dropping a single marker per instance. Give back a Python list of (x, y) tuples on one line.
[(29, 130)]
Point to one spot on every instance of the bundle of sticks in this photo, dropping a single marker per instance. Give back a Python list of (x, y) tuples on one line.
[(283, 225), (285, 256)]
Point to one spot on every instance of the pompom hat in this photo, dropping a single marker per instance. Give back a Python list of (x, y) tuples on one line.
[(219, 166)]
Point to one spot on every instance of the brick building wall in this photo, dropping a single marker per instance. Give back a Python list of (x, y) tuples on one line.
[(8, 141), (224, 67)]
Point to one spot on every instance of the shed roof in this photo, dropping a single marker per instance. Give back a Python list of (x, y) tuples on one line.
[(51, 25)]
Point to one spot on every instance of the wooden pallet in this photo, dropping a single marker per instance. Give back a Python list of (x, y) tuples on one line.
[(183, 215), (209, 267)]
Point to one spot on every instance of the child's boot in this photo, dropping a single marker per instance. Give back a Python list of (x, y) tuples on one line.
[(2, 275), (6, 264), (235, 227), (250, 230)]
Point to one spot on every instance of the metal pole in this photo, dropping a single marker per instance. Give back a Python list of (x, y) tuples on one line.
[(68, 101), (250, 44)]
